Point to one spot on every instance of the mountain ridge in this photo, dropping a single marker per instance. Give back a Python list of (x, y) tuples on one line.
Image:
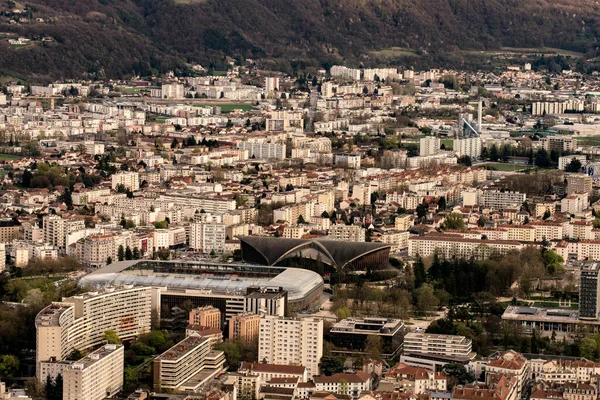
[(116, 38)]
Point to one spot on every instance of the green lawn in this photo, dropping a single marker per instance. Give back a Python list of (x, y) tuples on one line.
[(229, 107), (9, 157), (588, 140), (505, 166), (448, 143)]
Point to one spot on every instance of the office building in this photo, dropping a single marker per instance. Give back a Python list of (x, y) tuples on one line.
[(433, 351), (79, 322), (351, 335), (96, 376), (429, 145), (589, 291), (244, 327), (188, 365), (208, 317), (291, 341)]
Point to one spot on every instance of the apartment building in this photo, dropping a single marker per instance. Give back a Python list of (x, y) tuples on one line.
[(79, 322), (579, 183), (433, 351), (470, 147), (263, 149), (561, 143), (96, 376), (574, 203), (244, 327), (347, 233), (188, 365), (407, 378), (207, 237), (429, 145), (498, 200), (266, 301), (131, 180), (347, 160), (9, 230), (351, 384), (285, 121), (291, 341), (291, 213), (589, 291), (207, 317), (270, 371), (448, 245), (509, 363)]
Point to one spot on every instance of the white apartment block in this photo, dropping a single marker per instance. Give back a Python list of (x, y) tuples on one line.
[(433, 351), (207, 237), (79, 322), (498, 200), (339, 71), (285, 121), (291, 341), (263, 149), (563, 161), (347, 233), (96, 376), (131, 180), (271, 84), (467, 147), (447, 246), (172, 91), (351, 384), (429, 145), (347, 160), (574, 203)]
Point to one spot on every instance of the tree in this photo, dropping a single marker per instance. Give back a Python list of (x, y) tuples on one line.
[(542, 159), (454, 220), (442, 203), (9, 366), (301, 220), (331, 365), (289, 187), (112, 337), (373, 346), (547, 214), (136, 253), (419, 272), (457, 375), (232, 351), (76, 355), (553, 262), (573, 166), (161, 224), (108, 260), (465, 160), (494, 156), (26, 178), (588, 348), (121, 253), (422, 210), (426, 299), (174, 143), (128, 253)]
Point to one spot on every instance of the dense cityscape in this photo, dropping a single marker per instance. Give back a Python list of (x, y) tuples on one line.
[(344, 233)]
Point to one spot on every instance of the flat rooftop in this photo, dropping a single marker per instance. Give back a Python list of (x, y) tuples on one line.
[(563, 315), (433, 336), (96, 356), (382, 326), (182, 348)]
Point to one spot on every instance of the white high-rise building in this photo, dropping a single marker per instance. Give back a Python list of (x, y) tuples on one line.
[(291, 341), (172, 91), (131, 180), (207, 237), (271, 84), (429, 145), (467, 147), (96, 376)]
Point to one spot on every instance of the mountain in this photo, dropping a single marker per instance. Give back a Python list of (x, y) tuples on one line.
[(115, 38)]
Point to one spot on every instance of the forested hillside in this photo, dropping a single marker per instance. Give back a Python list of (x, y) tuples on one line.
[(114, 38)]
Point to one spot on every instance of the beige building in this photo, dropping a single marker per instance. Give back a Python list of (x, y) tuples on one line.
[(79, 322), (579, 183), (291, 341), (208, 316), (347, 233), (131, 180), (188, 365), (244, 327), (448, 245), (96, 376)]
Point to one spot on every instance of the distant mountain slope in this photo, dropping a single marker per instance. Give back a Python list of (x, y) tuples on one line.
[(113, 38)]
